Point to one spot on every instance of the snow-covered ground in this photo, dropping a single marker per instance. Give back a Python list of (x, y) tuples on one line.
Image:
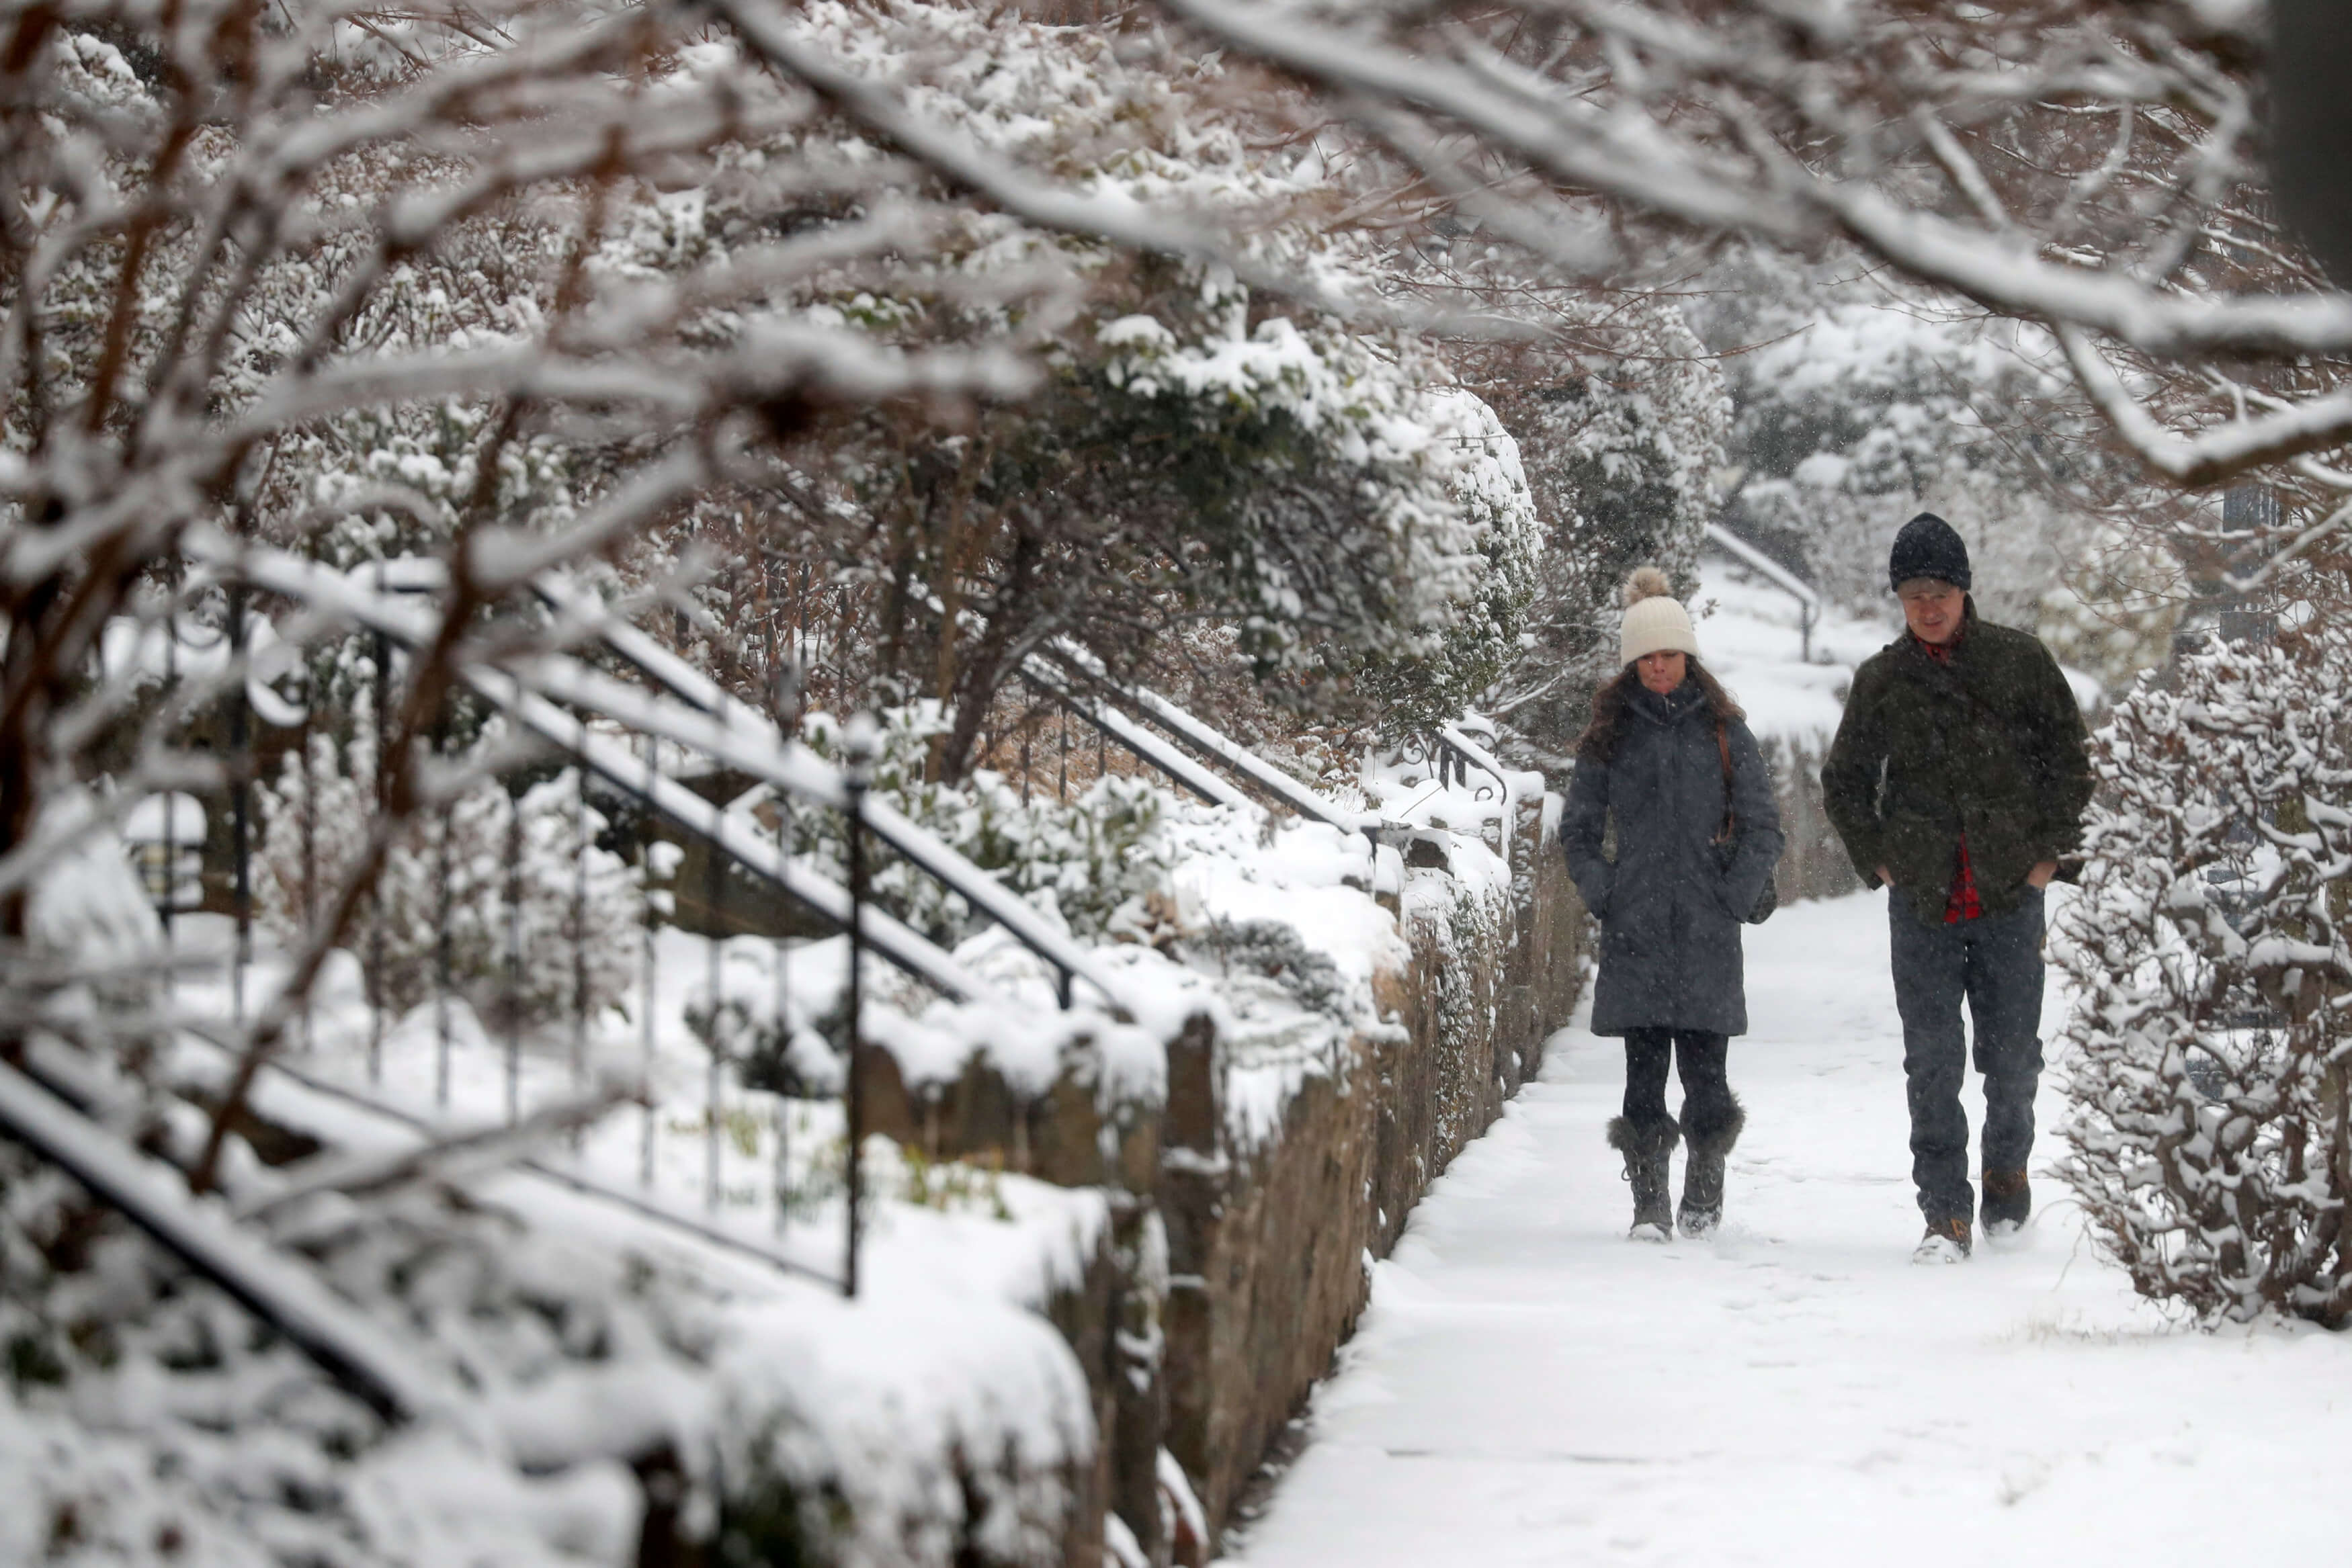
[(1528, 1386)]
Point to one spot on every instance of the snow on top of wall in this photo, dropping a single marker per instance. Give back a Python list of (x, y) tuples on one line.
[(1202, 947), (1230, 887), (865, 1385)]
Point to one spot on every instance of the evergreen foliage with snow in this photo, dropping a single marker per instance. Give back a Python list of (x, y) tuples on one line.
[(449, 884), (1082, 860), (2211, 962), (1199, 449), (1435, 680), (1622, 444)]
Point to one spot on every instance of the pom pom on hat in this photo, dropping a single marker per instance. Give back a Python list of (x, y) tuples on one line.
[(1647, 582), (1654, 622)]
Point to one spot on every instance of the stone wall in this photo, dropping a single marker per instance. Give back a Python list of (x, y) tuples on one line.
[(1236, 1273), (1268, 1247)]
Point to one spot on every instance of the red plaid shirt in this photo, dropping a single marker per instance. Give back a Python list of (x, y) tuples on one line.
[(1962, 902)]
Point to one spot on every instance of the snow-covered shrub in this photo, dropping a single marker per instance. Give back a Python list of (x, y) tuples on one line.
[(1355, 522), (1196, 451), (104, 1458), (1365, 513), (449, 878), (1416, 691), (1274, 949), (2212, 969), (1081, 859)]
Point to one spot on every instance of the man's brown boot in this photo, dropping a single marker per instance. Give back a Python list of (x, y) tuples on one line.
[(1947, 1241), (2008, 1199)]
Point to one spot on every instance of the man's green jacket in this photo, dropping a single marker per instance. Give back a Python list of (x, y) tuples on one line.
[(1990, 745)]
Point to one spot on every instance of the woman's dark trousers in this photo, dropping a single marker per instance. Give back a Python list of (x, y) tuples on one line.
[(1711, 1121), (1994, 964)]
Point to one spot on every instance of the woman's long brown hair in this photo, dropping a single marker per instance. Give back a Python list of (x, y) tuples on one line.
[(1599, 741)]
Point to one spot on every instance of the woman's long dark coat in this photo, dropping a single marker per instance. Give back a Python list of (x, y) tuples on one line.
[(1669, 910)]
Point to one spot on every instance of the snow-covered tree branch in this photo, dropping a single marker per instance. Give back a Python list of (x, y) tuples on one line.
[(2094, 167)]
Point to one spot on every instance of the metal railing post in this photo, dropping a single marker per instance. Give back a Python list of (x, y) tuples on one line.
[(859, 748), (514, 957), (310, 841), (783, 1181), (580, 845), (441, 939), (384, 764), (165, 906), (785, 694), (648, 1119), (240, 750), (714, 1090)]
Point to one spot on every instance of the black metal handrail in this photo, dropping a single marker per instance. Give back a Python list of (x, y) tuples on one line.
[(909, 839), (712, 722), (554, 696), (1459, 756), (1809, 599), (1204, 739), (1139, 742)]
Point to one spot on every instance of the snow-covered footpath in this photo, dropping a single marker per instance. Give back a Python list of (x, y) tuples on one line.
[(1528, 1386)]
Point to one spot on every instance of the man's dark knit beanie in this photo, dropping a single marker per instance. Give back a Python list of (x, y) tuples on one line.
[(1928, 547)]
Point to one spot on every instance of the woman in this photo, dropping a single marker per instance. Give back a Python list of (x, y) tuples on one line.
[(1699, 835)]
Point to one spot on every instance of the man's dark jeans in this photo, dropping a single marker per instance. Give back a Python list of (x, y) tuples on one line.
[(1994, 962)]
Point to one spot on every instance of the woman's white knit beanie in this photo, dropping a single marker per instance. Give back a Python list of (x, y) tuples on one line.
[(1654, 622)]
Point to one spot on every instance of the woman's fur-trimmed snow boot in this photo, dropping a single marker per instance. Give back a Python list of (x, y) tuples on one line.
[(1711, 1131), (1646, 1146)]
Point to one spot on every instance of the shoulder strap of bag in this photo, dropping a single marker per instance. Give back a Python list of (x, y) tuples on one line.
[(1722, 750)]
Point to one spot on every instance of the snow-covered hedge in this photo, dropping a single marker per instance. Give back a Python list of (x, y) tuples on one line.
[(2212, 970)]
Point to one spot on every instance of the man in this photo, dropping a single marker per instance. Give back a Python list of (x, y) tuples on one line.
[(1958, 776)]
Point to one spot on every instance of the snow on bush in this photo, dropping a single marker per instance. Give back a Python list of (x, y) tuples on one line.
[(448, 879), (1199, 449), (1082, 859), (144, 1419), (2212, 971), (1418, 557)]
